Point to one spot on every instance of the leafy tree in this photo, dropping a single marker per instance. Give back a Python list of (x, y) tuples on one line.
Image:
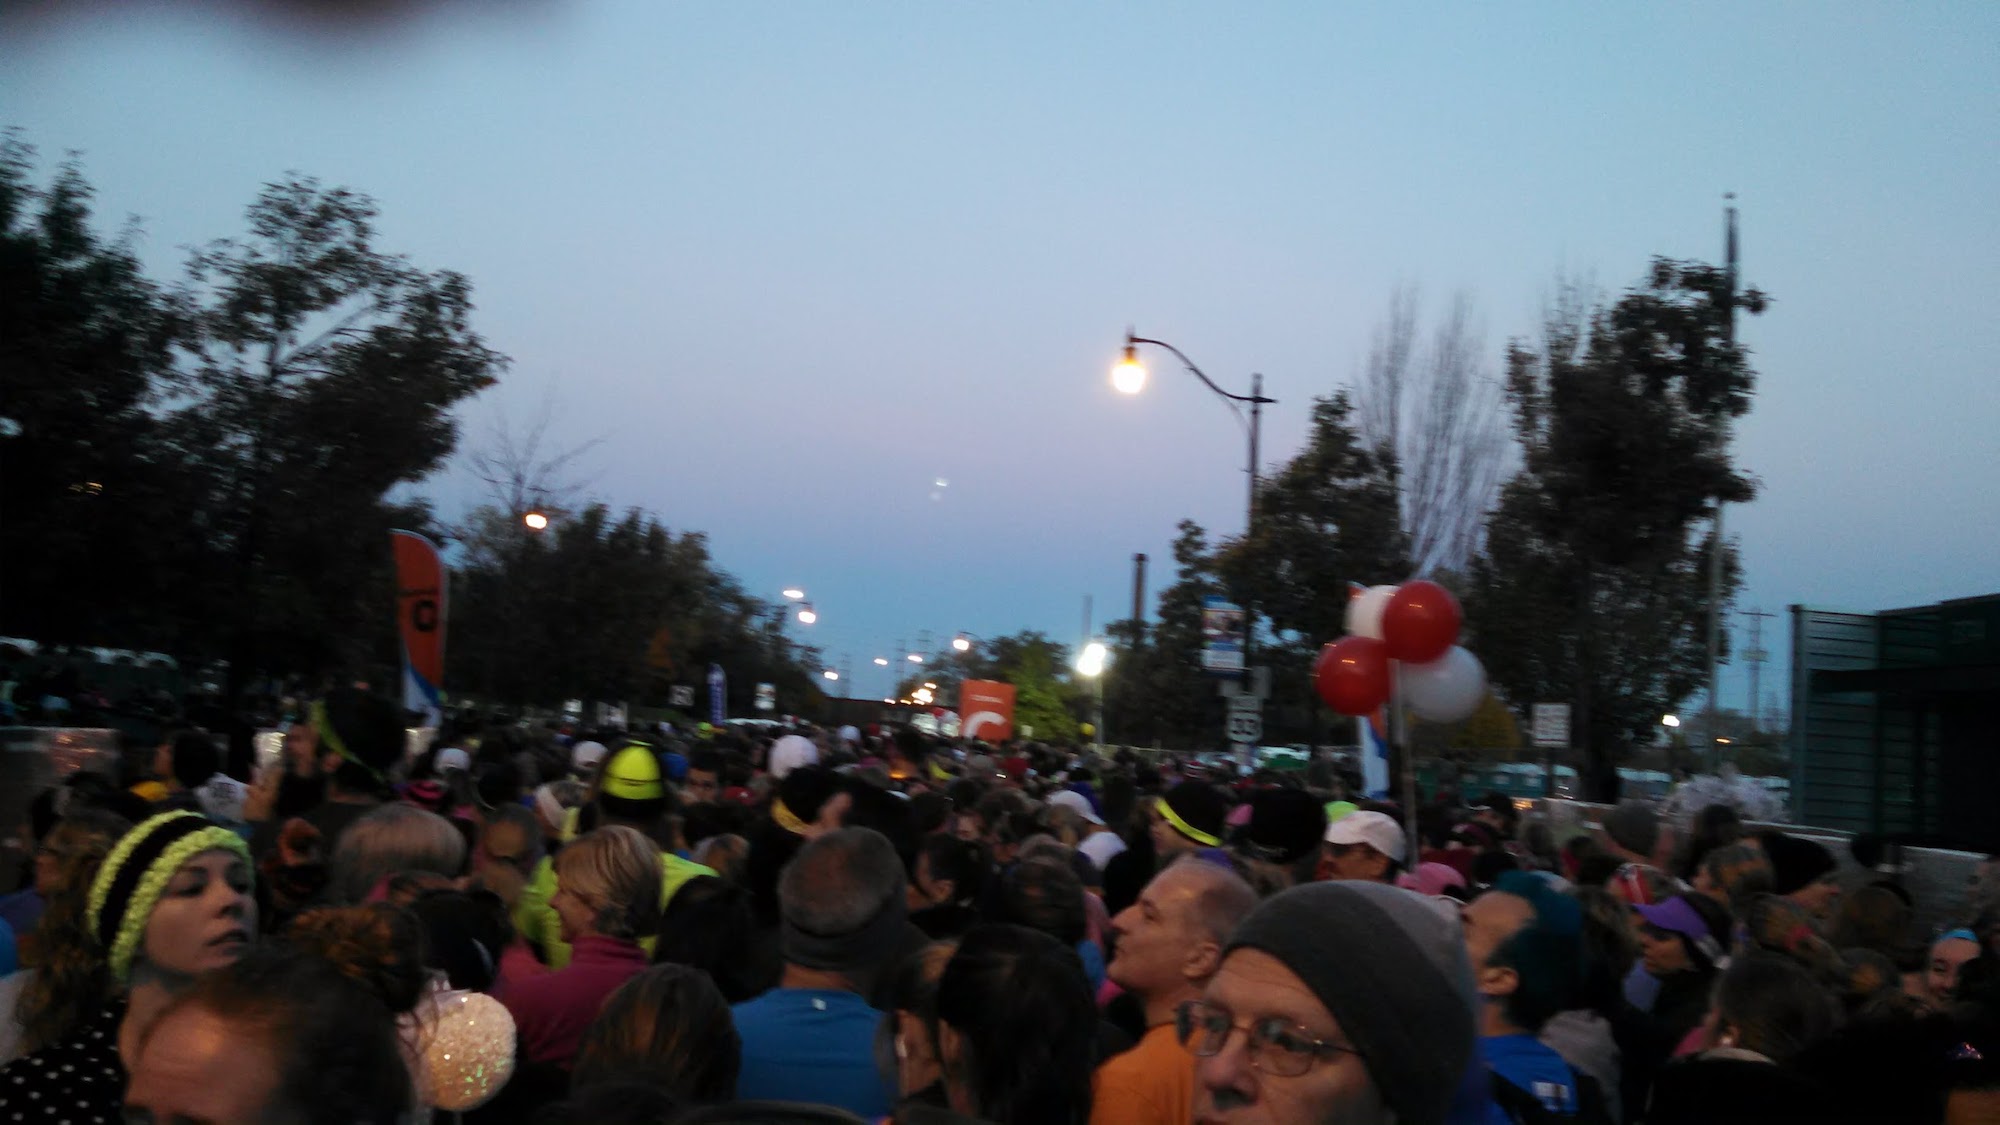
[(1593, 583), (1327, 518), (1154, 689), (96, 535), (320, 374), (611, 609), (1046, 695)]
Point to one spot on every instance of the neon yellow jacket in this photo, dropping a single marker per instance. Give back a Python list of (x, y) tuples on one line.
[(537, 920)]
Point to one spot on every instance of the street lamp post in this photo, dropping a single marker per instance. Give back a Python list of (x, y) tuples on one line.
[(1090, 665), (1129, 376)]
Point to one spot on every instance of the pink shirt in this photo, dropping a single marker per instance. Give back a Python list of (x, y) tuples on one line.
[(552, 1012)]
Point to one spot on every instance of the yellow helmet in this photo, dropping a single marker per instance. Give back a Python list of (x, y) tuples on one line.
[(633, 774)]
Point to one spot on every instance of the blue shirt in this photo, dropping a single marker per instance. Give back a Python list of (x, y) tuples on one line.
[(1533, 1066), (812, 1045)]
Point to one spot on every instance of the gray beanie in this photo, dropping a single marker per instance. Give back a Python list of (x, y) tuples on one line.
[(1634, 826), (1391, 969)]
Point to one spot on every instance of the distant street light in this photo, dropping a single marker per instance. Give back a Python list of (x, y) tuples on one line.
[(1090, 665), (1670, 720), (916, 658), (793, 594), (881, 662), (962, 643), (536, 521), (806, 614), (930, 686), (831, 674)]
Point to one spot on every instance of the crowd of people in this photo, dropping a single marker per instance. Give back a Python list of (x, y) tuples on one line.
[(530, 925)]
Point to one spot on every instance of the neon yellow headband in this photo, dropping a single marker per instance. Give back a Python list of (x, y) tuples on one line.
[(1167, 813), (135, 874)]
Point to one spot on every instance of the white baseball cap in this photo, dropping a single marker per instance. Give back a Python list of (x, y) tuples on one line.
[(584, 756), (452, 758), (1077, 803), (791, 752), (1377, 830)]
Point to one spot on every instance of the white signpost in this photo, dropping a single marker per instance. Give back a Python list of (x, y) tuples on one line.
[(1246, 719), (1551, 724)]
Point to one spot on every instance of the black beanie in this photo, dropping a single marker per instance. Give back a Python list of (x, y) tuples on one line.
[(1796, 862), (1286, 825), (1391, 970), (1199, 806)]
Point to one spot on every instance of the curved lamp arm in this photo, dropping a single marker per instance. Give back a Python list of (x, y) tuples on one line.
[(1132, 341)]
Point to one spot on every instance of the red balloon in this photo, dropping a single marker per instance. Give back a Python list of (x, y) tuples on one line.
[(1352, 675), (1420, 624)]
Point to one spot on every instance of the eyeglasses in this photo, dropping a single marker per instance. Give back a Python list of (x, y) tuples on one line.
[(1276, 1047)]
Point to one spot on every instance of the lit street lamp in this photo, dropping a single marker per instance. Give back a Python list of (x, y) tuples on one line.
[(962, 643), (536, 520), (831, 674), (1090, 665), (1129, 377), (806, 614), (881, 662), (793, 594), (1670, 720)]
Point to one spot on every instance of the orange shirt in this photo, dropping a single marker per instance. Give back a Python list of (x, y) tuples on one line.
[(1151, 1084)]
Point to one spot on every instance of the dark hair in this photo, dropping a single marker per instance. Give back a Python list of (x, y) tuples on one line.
[(464, 935), (1713, 827), (929, 812), (710, 925), (332, 1034), (614, 1103), (1609, 950), (1488, 866), (1776, 1007), (961, 861), (1044, 895), (1546, 954), (196, 758), (707, 761), (378, 945), (670, 1025), (1027, 1025)]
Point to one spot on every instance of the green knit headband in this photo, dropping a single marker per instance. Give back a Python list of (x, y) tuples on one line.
[(134, 876)]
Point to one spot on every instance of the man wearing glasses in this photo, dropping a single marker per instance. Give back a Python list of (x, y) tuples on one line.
[(1342, 1003)]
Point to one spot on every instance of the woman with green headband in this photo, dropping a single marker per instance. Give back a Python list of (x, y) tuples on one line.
[(171, 901)]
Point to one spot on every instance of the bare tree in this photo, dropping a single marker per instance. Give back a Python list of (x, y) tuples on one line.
[(523, 473), (1439, 418)]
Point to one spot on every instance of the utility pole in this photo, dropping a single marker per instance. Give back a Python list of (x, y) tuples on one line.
[(1756, 657), (1138, 599), (1715, 557)]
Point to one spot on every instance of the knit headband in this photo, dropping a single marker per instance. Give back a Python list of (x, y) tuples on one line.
[(786, 819), (332, 740), (135, 875), (1181, 826)]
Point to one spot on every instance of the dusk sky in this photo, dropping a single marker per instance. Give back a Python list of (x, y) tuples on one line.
[(794, 263)]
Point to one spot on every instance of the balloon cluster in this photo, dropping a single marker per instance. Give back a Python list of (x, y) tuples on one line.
[(1416, 623)]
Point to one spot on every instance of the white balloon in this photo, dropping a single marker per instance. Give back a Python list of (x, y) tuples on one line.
[(1447, 689), (1364, 611)]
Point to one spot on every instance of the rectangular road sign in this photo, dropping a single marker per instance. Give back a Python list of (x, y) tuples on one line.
[(1551, 724), (1246, 720)]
